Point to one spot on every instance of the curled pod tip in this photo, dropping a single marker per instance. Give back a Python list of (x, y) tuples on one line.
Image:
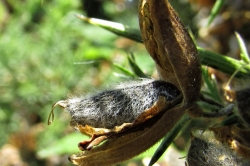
[(61, 103)]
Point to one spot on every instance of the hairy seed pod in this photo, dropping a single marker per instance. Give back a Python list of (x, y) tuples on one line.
[(123, 104), (206, 151), (123, 146)]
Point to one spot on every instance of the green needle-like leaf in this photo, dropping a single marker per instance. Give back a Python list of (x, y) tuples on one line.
[(117, 28), (243, 50), (136, 69), (223, 63), (124, 70), (216, 8), (211, 86), (114, 27), (168, 139)]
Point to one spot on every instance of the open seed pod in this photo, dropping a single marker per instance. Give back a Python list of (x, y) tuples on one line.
[(123, 119), (120, 109), (123, 146)]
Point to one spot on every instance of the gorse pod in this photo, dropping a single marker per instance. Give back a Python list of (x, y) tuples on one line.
[(131, 117), (123, 104), (169, 44), (124, 146)]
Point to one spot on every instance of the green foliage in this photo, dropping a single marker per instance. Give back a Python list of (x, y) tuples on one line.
[(215, 10), (210, 86), (243, 50)]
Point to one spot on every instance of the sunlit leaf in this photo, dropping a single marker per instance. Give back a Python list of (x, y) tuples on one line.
[(114, 27), (243, 50)]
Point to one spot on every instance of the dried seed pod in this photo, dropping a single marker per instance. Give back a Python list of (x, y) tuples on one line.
[(123, 146), (171, 47), (122, 104), (123, 116)]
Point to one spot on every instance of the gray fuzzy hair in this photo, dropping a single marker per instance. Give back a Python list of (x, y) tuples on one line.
[(123, 104)]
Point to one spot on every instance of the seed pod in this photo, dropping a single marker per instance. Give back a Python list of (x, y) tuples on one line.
[(205, 150), (122, 104), (123, 146), (169, 44)]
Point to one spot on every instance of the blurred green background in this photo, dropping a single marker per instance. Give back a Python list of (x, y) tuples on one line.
[(47, 54)]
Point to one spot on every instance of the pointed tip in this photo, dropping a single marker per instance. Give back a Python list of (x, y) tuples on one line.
[(80, 16)]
